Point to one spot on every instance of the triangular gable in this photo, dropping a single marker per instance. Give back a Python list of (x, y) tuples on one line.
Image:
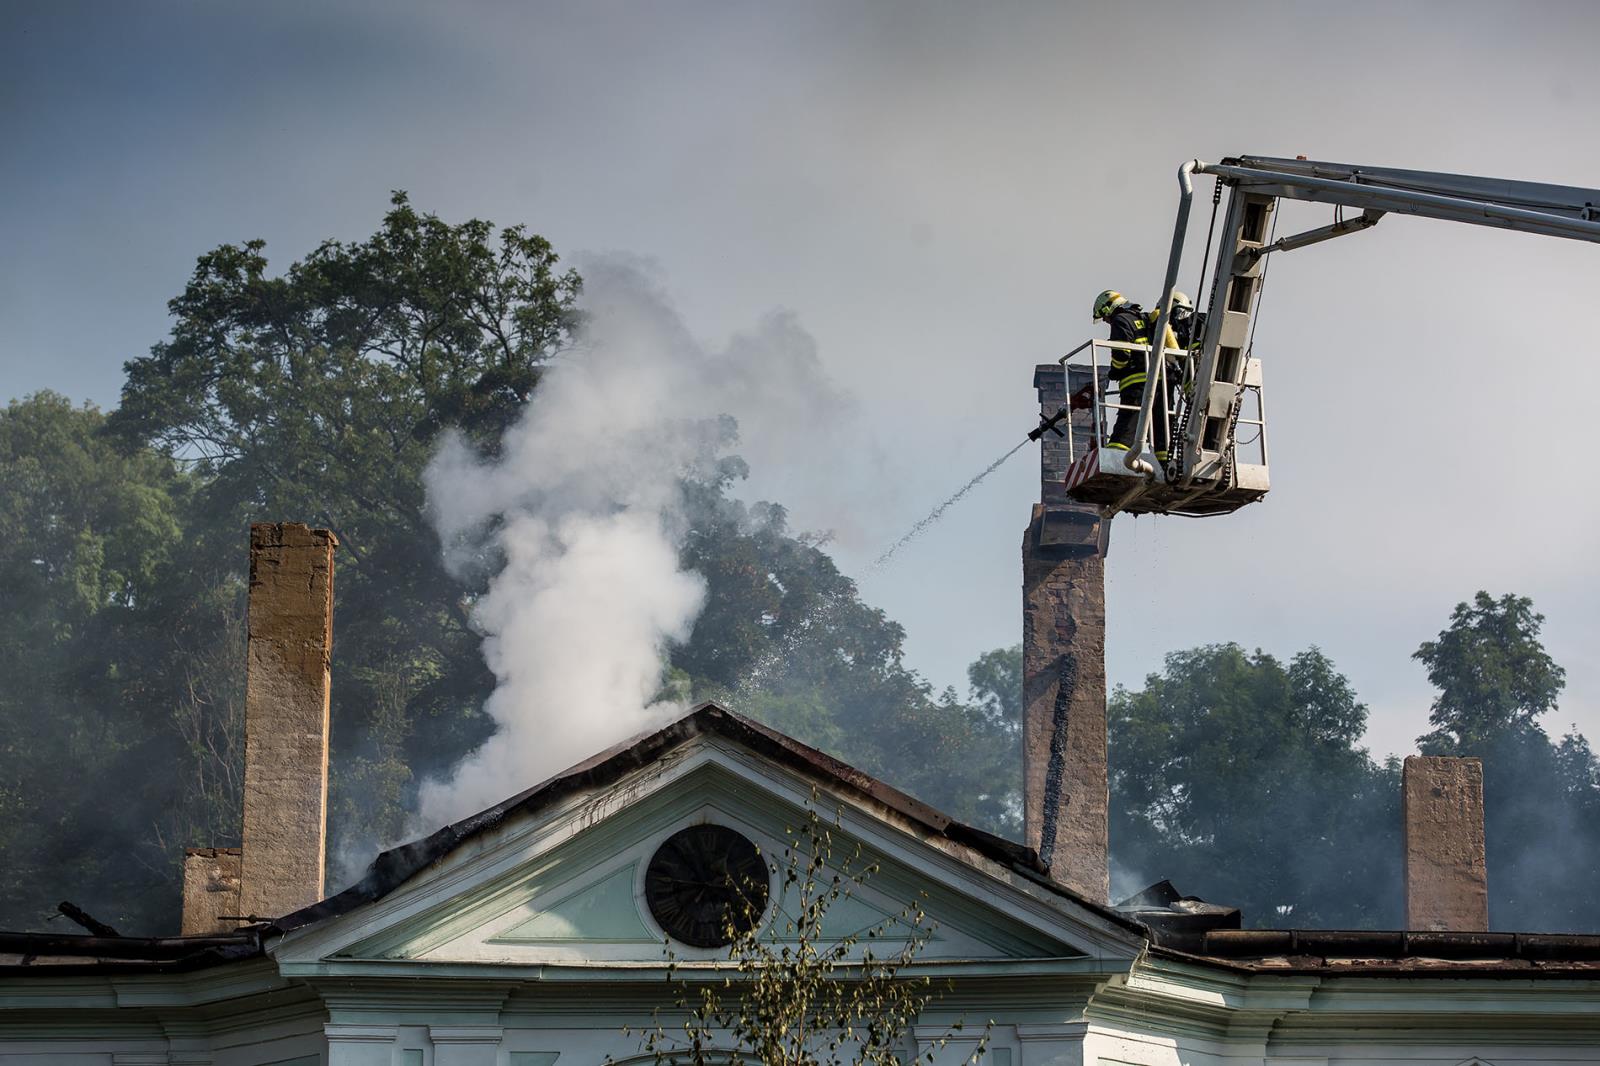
[(599, 913), (604, 912), (561, 883), (607, 911)]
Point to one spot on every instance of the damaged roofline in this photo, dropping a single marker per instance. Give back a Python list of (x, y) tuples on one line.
[(394, 867), (36, 952), (1401, 944)]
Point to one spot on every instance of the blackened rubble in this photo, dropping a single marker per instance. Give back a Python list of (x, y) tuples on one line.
[(54, 953), (1377, 952), (1190, 927), (1175, 920)]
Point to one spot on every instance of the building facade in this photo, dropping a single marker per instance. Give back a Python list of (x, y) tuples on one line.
[(528, 935)]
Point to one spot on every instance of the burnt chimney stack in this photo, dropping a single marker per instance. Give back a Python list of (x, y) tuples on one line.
[(1065, 796), (1446, 870)]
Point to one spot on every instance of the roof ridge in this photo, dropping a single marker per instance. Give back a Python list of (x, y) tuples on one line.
[(394, 866)]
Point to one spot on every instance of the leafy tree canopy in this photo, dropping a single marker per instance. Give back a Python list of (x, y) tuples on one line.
[(316, 393), (91, 647), (786, 638), (1541, 799), (1493, 675), (1238, 777)]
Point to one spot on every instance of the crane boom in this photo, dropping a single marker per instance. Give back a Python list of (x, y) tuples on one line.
[(1206, 473), (1532, 207), (1204, 458)]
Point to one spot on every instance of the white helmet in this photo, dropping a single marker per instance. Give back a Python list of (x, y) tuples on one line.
[(1181, 299)]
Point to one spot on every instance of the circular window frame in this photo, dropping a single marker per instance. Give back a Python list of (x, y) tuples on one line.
[(705, 944)]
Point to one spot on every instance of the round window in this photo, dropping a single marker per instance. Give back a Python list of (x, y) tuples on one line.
[(705, 885)]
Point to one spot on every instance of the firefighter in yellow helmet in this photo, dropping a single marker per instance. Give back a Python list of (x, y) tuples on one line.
[(1132, 324)]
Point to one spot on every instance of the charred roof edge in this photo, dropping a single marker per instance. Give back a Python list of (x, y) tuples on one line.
[(397, 865)]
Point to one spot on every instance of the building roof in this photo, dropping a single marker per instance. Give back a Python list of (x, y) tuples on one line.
[(1390, 952), (1177, 927), (52, 953), (394, 867)]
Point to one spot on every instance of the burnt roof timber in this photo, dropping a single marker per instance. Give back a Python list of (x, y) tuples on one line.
[(38, 952)]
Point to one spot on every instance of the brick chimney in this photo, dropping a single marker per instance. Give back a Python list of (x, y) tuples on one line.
[(1063, 664), (279, 869), (286, 718), (210, 890), (1446, 873)]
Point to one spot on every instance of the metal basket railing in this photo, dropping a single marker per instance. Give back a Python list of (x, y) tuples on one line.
[(1094, 356)]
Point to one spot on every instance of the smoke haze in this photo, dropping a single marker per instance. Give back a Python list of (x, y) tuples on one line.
[(578, 523), (938, 193)]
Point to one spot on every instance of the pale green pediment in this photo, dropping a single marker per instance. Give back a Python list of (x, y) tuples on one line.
[(605, 912), (853, 917), (571, 892)]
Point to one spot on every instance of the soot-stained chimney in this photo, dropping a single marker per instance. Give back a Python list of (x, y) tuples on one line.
[(1446, 874), (1063, 665), (286, 718)]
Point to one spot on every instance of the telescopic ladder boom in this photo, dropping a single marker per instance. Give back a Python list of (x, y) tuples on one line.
[(1203, 462)]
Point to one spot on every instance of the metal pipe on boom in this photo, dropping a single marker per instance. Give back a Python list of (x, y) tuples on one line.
[(1158, 337), (1155, 370), (1207, 469)]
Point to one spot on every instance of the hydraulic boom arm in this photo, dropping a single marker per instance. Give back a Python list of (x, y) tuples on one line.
[(1256, 183), (1554, 210)]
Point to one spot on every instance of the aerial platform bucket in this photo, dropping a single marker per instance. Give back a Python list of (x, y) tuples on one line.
[(1229, 471)]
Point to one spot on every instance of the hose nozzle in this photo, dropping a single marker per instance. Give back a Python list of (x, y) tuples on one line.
[(1049, 424)]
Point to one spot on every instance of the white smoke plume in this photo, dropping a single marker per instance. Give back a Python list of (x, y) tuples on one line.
[(579, 520)]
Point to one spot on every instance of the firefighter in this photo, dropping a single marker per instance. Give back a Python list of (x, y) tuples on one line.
[(1187, 326), (1130, 370)]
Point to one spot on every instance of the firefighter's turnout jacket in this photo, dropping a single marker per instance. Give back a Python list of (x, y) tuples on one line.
[(1130, 370), (1132, 324)]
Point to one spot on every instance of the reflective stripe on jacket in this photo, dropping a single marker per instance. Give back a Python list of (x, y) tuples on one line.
[(1131, 324)]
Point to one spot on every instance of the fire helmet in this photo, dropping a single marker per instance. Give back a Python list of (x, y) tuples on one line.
[(1107, 302)]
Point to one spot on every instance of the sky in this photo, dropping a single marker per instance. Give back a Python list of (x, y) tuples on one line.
[(933, 193)]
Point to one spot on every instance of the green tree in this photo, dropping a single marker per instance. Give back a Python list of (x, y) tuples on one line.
[(786, 639), (316, 395), (93, 768), (1493, 675), (996, 680), (1240, 778), (1541, 799)]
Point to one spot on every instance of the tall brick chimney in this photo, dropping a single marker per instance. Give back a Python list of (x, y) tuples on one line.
[(286, 718), (1446, 874), (1063, 664)]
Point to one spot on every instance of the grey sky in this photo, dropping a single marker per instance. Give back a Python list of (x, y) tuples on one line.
[(935, 192)]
